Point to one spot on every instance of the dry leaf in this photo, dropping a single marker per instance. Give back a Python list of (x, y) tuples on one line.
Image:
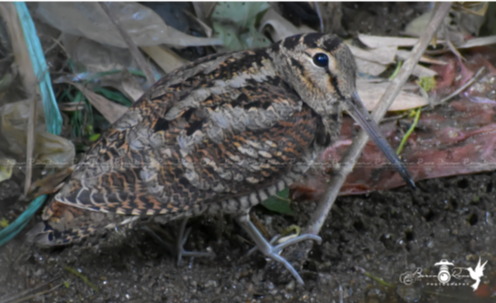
[(130, 86), (369, 67), (383, 55), (379, 41), (164, 57), (478, 42), (371, 93), (110, 110), (417, 26), (280, 28), (404, 54), (422, 71)]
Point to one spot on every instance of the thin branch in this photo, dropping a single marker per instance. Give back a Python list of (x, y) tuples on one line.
[(321, 21), (30, 144), (320, 214), (38, 294), (23, 293), (464, 86), (451, 47), (140, 59)]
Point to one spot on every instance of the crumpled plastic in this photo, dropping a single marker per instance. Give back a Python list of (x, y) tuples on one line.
[(93, 57), (49, 149), (87, 19)]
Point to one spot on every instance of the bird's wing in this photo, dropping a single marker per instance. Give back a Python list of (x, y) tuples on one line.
[(195, 139)]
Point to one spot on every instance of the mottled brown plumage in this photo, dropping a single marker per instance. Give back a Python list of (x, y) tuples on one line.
[(222, 133)]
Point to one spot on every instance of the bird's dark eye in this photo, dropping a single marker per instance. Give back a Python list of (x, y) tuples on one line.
[(321, 60)]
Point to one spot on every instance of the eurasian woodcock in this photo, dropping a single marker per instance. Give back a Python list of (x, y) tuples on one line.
[(220, 134)]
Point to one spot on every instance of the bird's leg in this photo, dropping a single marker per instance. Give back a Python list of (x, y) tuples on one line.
[(181, 240), (268, 249), (177, 249)]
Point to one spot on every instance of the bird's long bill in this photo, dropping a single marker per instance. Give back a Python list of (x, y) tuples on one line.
[(359, 113)]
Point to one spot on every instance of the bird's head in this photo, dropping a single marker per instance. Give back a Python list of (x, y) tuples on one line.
[(322, 70)]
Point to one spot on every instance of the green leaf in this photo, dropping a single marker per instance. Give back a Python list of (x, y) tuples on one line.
[(279, 203), (254, 39), (427, 83), (241, 14), (235, 24), (229, 35), (94, 137), (4, 223)]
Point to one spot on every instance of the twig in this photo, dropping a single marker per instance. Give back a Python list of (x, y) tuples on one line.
[(320, 214), (207, 29), (31, 138), (393, 118), (140, 59), (259, 225), (464, 86), (450, 45), (11, 298), (55, 43), (38, 294), (321, 21)]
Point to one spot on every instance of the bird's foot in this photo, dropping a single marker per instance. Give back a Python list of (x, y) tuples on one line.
[(270, 251), (177, 248)]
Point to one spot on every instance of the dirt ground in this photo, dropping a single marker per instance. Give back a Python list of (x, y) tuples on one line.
[(366, 238), (384, 234)]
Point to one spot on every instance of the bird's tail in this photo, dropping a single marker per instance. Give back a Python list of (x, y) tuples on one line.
[(63, 224)]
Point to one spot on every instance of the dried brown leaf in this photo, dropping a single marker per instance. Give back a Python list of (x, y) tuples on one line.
[(369, 67), (164, 57), (130, 86), (110, 110), (383, 55), (371, 93), (280, 28), (379, 41), (403, 55)]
